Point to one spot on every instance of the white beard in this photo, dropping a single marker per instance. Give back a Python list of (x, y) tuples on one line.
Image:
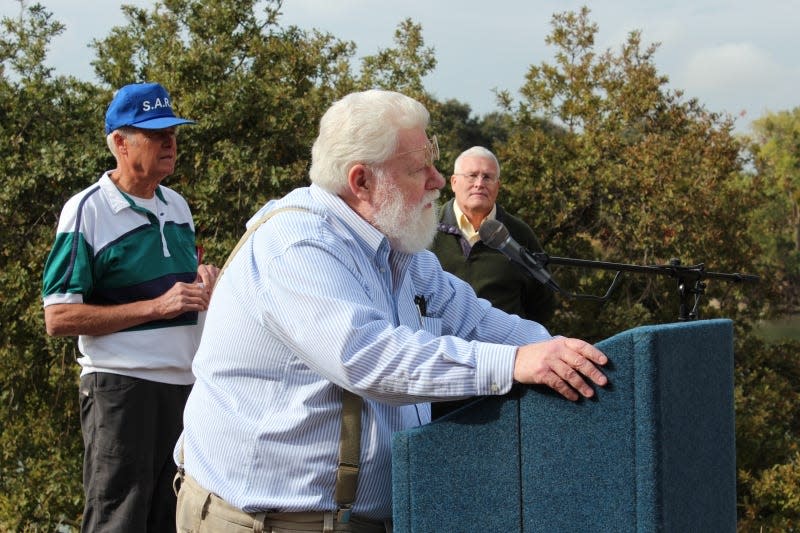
[(410, 229)]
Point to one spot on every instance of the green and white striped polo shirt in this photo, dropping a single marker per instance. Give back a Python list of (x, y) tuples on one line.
[(108, 251)]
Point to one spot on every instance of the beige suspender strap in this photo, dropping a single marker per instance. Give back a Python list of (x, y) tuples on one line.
[(350, 438), (349, 453), (250, 231)]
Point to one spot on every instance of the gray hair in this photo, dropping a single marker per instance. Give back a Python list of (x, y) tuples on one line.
[(476, 151), (362, 127)]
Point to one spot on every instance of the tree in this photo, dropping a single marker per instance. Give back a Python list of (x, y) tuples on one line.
[(632, 173), (256, 89), (775, 149), (767, 434), (403, 67), (50, 147)]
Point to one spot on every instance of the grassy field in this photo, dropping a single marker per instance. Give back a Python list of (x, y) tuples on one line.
[(781, 329)]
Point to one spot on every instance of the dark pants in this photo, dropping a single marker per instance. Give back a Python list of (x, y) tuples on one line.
[(130, 427)]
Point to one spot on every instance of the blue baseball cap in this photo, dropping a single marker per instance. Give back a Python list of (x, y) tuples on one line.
[(142, 105)]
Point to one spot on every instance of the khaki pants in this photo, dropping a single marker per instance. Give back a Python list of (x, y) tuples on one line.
[(200, 511)]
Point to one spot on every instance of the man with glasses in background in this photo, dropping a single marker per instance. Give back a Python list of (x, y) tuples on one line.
[(508, 286)]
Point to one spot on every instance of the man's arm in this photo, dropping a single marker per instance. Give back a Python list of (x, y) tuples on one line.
[(68, 319)]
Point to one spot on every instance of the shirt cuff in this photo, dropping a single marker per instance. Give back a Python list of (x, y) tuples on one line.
[(494, 365), (61, 298)]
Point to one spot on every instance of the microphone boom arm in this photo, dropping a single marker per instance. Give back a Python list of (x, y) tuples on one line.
[(690, 279)]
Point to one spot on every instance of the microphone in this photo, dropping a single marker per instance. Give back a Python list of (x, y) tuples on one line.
[(495, 235)]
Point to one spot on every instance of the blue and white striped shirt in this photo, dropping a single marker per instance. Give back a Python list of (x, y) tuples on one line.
[(314, 301)]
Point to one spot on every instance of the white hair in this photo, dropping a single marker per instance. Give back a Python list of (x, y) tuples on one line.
[(124, 131), (476, 151), (362, 127)]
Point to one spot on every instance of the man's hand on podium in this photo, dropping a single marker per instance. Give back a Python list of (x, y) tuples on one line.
[(563, 364)]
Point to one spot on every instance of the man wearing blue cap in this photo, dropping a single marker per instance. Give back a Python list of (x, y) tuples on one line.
[(123, 276)]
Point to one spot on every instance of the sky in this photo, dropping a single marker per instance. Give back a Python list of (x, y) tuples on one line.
[(737, 56)]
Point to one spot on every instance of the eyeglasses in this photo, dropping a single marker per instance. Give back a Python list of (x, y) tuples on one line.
[(472, 177), (431, 151)]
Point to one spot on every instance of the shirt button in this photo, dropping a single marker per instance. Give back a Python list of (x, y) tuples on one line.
[(495, 388)]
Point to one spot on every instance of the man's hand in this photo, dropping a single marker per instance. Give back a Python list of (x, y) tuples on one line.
[(207, 275), (562, 364), (181, 298)]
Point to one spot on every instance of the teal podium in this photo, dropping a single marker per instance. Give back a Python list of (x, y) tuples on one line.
[(653, 451)]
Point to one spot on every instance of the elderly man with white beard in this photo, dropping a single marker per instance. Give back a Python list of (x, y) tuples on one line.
[(332, 328)]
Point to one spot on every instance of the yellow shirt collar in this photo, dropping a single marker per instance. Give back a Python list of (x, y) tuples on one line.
[(470, 233)]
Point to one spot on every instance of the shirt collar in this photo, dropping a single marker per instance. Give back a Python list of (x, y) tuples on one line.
[(372, 238), (118, 199), (470, 233)]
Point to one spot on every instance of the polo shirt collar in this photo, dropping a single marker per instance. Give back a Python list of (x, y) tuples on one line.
[(117, 199)]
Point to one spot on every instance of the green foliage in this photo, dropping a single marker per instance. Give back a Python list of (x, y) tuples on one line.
[(626, 171), (606, 163), (768, 434), (401, 68), (775, 150), (597, 155), (256, 89), (43, 121)]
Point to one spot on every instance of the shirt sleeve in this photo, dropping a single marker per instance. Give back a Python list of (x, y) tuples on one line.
[(67, 272), (341, 319)]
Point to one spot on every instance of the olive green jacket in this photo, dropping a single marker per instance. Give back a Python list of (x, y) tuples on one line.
[(493, 276), (507, 285)]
